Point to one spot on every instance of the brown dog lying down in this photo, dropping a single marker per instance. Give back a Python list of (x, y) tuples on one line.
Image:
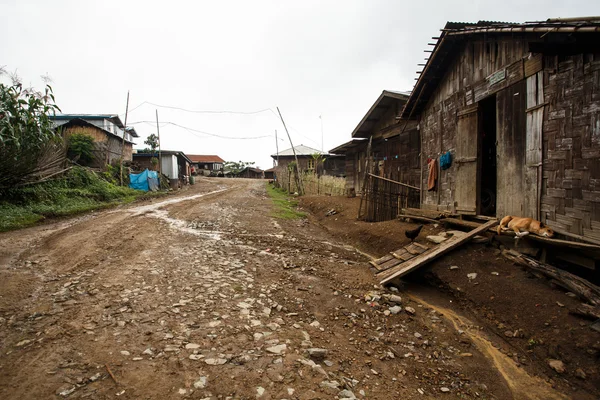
[(524, 226)]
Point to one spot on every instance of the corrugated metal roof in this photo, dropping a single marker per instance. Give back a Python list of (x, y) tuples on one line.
[(83, 122), (199, 158), (301, 150), (385, 99), (343, 148), (453, 35), (114, 118)]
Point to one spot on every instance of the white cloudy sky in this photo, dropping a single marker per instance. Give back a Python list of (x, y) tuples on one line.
[(310, 58)]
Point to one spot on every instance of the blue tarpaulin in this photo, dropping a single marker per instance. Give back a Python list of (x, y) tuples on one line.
[(147, 180)]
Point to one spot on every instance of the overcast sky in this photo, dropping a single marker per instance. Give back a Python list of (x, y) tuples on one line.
[(309, 58)]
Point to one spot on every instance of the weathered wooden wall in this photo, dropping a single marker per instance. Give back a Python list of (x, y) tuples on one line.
[(547, 130), (398, 158), (571, 144), (463, 85)]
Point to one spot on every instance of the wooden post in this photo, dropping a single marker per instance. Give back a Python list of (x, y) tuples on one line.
[(277, 146), (298, 176), (366, 174), (159, 153), (123, 143)]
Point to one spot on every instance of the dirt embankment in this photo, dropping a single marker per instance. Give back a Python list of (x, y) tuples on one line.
[(524, 316)]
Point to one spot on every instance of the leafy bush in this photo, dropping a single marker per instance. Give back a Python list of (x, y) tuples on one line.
[(26, 131), (81, 148)]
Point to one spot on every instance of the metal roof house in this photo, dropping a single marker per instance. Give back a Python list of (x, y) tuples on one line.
[(107, 130), (332, 164), (207, 164)]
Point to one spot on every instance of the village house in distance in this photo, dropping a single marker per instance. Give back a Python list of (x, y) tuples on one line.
[(107, 131), (207, 165), (332, 164)]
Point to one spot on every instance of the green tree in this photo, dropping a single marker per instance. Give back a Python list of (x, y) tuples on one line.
[(80, 148), (152, 141), (237, 167), (26, 131)]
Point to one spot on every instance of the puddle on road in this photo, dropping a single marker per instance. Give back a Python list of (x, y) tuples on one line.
[(153, 210), (155, 206)]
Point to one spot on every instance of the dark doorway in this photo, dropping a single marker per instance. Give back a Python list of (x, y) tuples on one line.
[(487, 194)]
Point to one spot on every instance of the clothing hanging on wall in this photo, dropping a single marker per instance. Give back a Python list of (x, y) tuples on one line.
[(446, 160), (433, 174)]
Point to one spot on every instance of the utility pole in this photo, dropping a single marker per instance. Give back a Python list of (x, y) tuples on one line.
[(159, 154), (277, 146), (322, 146), (300, 186), (123, 143)]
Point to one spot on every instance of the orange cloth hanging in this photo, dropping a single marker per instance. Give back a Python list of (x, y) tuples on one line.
[(433, 174)]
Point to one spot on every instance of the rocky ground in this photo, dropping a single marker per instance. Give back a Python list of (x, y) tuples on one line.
[(205, 295)]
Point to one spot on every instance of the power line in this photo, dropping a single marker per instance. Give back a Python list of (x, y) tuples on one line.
[(200, 111), (200, 131)]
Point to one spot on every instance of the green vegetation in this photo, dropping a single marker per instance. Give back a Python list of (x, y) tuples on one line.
[(152, 141), (26, 133), (80, 148), (80, 190), (285, 208), (237, 167)]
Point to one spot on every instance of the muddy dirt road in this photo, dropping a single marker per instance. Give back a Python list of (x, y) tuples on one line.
[(205, 295)]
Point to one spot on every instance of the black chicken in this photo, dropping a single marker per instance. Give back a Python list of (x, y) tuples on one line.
[(413, 233)]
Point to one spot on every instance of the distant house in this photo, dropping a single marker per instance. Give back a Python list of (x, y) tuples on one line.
[(107, 130), (251, 173), (174, 164), (270, 173), (333, 164), (207, 164)]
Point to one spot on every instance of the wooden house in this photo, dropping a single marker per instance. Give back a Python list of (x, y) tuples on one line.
[(106, 130), (207, 164), (395, 144), (517, 105), (331, 164), (251, 173), (270, 173)]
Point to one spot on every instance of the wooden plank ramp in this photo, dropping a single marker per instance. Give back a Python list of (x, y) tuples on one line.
[(398, 257), (419, 260)]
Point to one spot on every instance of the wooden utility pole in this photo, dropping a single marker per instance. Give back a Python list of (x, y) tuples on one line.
[(159, 154), (322, 146), (277, 146), (123, 143), (300, 186)]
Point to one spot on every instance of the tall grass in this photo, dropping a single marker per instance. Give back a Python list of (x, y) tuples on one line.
[(313, 184)]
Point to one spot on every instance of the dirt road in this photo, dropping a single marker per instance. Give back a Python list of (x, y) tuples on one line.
[(206, 296)]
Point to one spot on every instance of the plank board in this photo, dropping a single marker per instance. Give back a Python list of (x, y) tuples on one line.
[(426, 257), (399, 256)]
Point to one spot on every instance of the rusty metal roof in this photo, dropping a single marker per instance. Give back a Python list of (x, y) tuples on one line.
[(199, 158)]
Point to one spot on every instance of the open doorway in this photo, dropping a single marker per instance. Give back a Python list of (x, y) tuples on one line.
[(487, 194)]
